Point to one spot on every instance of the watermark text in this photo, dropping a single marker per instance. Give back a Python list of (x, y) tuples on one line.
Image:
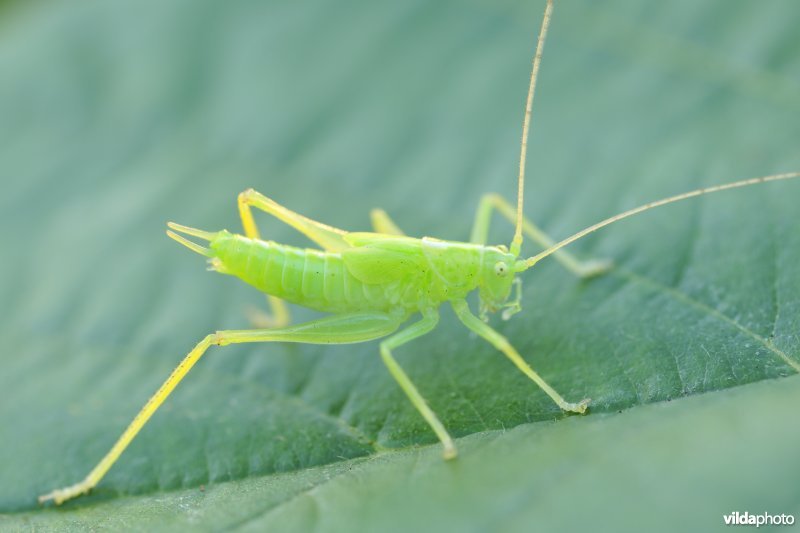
[(764, 519)]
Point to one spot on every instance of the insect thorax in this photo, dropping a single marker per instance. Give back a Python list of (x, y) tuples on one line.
[(459, 268)]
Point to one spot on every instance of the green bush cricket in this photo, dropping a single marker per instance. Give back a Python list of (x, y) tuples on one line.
[(372, 283)]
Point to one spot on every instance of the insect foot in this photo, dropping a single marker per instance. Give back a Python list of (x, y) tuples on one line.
[(59, 496), (594, 267), (579, 407), (450, 452)]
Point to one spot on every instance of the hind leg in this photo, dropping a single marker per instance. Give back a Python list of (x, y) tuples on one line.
[(337, 329), (327, 237)]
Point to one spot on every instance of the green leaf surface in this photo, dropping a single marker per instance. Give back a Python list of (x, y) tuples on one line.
[(118, 116), (607, 472)]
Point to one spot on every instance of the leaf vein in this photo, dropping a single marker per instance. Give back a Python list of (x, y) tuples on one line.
[(682, 297)]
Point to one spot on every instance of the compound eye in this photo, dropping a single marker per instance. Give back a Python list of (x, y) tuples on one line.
[(501, 269)]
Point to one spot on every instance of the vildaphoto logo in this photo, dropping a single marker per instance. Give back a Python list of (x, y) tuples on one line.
[(764, 519)]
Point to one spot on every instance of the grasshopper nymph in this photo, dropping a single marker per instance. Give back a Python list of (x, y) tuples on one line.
[(372, 283)]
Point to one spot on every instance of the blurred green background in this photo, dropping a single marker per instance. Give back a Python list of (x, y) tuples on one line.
[(117, 116)]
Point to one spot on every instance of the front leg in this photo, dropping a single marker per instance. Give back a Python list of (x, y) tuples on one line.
[(501, 343), (480, 232)]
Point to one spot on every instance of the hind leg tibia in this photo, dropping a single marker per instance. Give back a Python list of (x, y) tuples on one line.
[(337, 329)]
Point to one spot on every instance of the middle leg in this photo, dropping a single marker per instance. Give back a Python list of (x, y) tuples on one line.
[(429, 320), (382, 223)]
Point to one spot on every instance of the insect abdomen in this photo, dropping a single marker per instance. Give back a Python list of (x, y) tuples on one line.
[(314, 279)]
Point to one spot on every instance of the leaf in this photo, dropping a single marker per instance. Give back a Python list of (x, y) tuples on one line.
[(555, 476), (118, 116)]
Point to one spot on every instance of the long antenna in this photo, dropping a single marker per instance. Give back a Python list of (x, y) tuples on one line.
[(527, 263), (516, 243)]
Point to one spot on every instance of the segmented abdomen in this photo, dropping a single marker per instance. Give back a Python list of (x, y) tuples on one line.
[(318, 280)]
